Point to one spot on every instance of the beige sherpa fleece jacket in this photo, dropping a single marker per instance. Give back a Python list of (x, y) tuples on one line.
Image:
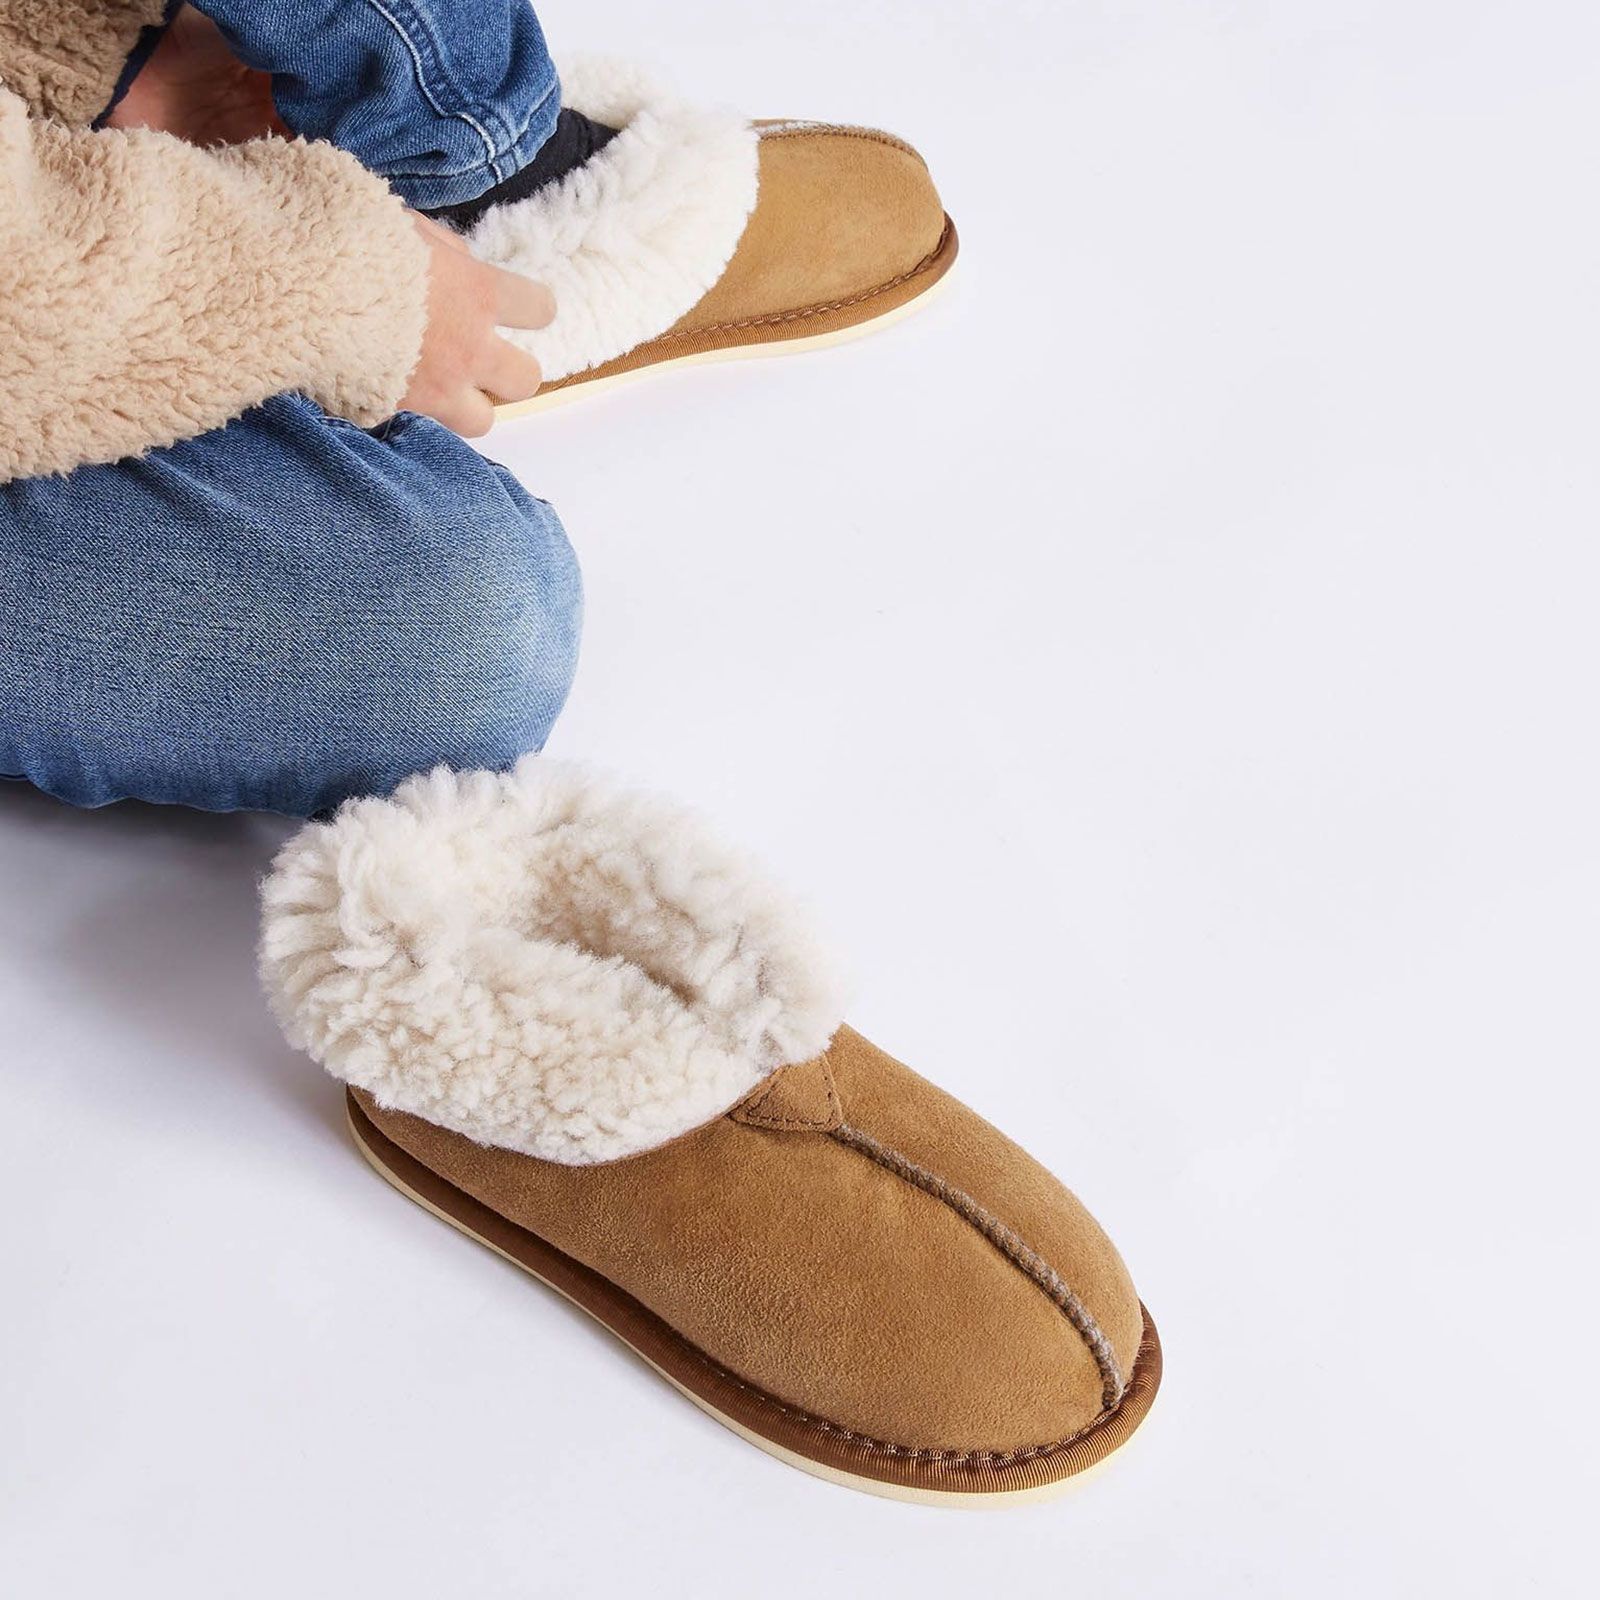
[(150, 290)]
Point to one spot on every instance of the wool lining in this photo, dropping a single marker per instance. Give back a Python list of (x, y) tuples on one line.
[(635, 237), (540, 960)]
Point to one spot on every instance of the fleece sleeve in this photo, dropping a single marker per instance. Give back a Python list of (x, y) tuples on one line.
[(63, 57), (150, 290)]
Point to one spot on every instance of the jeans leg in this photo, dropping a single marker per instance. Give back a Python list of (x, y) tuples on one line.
[(278, 615), (444, 98)]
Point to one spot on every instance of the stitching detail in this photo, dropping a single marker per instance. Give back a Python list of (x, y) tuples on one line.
[(1009, 1244), (837, 130), (827, 306), (428, 94), (507, 151), (752, 1112), (755, 1117), (905, 1452), (866, 1441)]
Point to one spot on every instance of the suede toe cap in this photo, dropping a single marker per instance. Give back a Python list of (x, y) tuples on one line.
[(842, 214), (906, 1113)]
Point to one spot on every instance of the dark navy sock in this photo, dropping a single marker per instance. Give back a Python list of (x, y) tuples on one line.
[(574, 140)]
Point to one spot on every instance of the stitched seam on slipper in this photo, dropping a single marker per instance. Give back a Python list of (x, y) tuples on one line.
[(754, 1119), (1010, 1244), (838, 130), (902, 1452), (752, 1114), (955, 1458), (866, 1441), (827, 306)]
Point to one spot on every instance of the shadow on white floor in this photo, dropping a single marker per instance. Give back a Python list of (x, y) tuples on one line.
[(143, 920)]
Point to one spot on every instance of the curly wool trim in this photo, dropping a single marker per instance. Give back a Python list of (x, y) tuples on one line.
[(540, 960), (637, 235)]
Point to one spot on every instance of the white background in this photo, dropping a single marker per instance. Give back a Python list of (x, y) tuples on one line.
[(1168, 665)]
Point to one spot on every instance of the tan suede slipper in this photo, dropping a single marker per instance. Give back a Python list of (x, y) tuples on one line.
[(695, 235), (583, 1032)]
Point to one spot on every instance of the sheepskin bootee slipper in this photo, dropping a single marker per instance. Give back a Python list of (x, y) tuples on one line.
[(587, 1034), (694, 234)]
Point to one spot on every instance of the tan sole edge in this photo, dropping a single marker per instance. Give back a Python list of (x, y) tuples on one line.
[(550, 399), (792, 1458)]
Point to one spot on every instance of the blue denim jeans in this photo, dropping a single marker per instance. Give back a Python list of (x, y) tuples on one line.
[(279, 614), (444, 98), (288, 611)]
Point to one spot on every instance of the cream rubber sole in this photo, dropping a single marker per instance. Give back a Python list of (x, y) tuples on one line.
[(816, 1469), (549, 400)]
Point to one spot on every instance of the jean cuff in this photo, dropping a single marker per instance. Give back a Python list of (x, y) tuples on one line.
[(430, 191)]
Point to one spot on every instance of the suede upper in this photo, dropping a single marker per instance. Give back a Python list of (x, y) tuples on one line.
[(814, 1273), (843, 212), (848, 225)]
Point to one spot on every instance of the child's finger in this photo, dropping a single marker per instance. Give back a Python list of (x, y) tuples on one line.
[(469, 412), (522, 303), (510, 373)]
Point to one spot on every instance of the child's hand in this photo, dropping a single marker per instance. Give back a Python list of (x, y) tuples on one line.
[(465, 366), (193, 87)]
